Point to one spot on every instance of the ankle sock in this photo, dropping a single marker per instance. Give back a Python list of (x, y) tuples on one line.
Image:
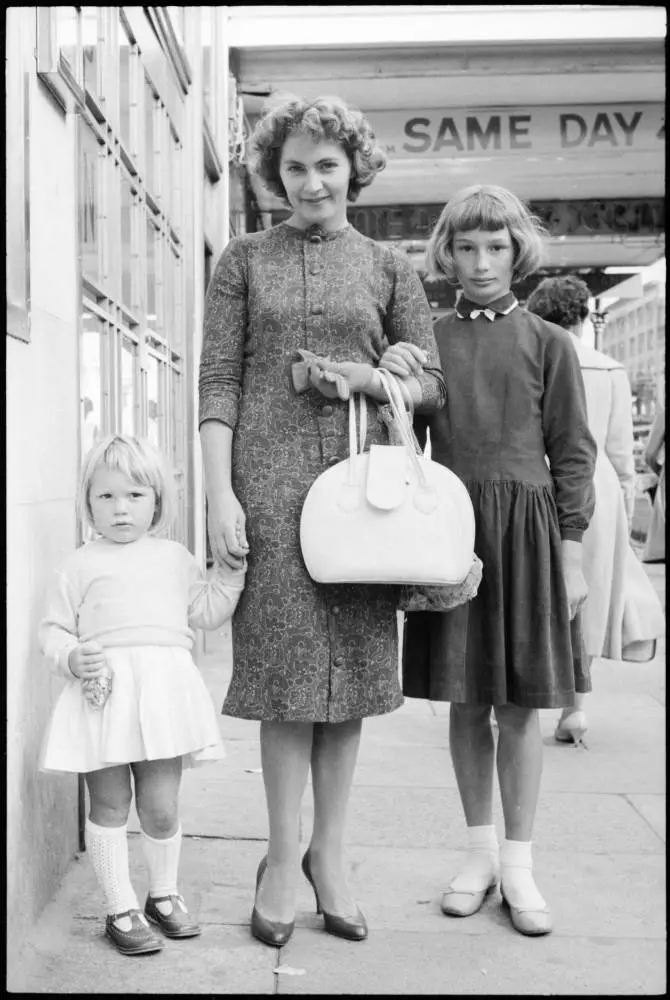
[(162, 858), (516, 875), (481, 863), (107, 847)]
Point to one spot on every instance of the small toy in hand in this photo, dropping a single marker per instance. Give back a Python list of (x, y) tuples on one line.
[(98, 689)]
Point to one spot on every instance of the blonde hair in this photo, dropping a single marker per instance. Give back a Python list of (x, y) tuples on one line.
[(138, 460), (488, 207), (324, 118)]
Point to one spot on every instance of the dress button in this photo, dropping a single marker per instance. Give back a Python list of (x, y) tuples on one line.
[(314, 238), (338, 661), (314, 269), (327, 411), (333, 460), (317, 310), (336, 611)]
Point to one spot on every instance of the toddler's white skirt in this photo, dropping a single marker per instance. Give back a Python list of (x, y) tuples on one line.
[(159, 708)]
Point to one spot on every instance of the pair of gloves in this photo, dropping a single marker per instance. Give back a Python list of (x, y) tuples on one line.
[(334, 379), (338, 379)]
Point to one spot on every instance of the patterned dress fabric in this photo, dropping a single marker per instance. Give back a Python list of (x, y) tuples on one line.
[(514, 395), (303, 651)]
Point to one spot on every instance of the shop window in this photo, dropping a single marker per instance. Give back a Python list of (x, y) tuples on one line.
[(208, 65), (152, 278), (91, 155), (128, 386), (94, 419), (153, 400), (68, 41), (150, 137), (127, 271), (91, 37)]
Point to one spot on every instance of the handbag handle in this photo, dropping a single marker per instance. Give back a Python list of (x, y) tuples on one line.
[(404, 427)]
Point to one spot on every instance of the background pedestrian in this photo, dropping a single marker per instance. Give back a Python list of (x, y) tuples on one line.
[(654, 548), (622, 616)]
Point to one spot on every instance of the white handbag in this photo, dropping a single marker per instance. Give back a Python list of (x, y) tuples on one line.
[(389, 515)]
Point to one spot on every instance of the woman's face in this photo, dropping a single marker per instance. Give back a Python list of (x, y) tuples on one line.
[(484, 263), (316, 178)]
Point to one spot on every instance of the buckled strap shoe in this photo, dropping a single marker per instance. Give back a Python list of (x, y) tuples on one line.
[(176, 924), (139, 940)]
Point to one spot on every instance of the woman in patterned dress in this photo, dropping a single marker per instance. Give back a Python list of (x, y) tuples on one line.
[(309, 661)]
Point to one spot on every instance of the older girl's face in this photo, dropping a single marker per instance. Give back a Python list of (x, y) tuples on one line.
[(316, 178), (484, 263)]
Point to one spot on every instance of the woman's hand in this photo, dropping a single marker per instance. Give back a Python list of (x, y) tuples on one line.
[(575, 582), (338, 379), (87, 660), (403, 359), (226, 524)]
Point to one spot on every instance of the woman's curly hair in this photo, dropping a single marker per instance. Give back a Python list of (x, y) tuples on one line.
[(326, 118), (563, 300), (488, 207)]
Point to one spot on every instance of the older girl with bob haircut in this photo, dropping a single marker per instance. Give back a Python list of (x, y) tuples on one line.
[(298, 317), (118, 628), (515, 429)]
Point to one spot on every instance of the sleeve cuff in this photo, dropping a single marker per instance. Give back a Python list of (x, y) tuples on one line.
[(571, 535), (62, 662), (232, 577)]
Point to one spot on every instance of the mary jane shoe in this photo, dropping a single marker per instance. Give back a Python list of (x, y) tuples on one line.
[(177, 923), (139, 940)]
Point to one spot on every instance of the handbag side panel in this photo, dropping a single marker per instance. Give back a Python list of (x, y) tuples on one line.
[(346, 540)]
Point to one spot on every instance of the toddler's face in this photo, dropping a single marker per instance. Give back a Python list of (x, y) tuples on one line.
[(484, 263), (122, 509)]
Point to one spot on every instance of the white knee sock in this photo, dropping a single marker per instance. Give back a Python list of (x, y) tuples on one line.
[(516, 875), (162, 857), (481, 863), (108, 850)]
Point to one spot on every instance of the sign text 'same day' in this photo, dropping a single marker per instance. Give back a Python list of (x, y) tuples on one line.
[(581, 129)]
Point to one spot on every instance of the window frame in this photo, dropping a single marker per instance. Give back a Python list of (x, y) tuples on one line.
[(17, 178)]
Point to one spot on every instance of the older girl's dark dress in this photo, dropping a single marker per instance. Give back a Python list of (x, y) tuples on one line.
[(302, 651), (514, 428)]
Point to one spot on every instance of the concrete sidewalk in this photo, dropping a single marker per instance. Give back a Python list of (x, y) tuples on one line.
[(599, 861)]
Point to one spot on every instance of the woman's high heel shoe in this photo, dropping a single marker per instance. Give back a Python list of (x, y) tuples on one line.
[(351, 928), (270, 932), (571, 729)]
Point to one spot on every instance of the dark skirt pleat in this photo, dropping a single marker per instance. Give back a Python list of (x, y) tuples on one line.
[(514, 641)]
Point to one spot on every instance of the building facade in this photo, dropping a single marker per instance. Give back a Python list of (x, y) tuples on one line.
[(634, 334), (118, 186)]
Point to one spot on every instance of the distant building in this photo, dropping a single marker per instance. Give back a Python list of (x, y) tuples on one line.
[(634, 334)]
